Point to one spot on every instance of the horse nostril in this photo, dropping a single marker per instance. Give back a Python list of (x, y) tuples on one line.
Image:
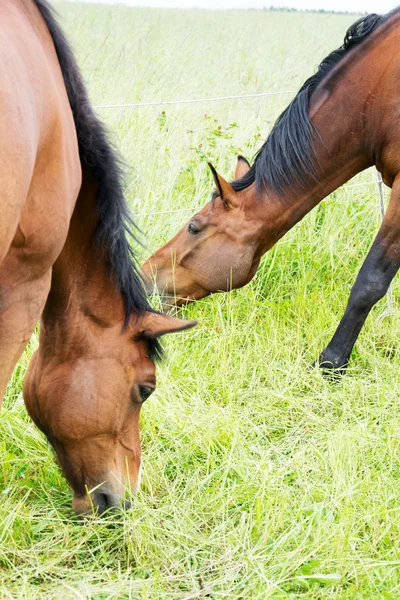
[(105, 501), (100, 502), (145, 391)]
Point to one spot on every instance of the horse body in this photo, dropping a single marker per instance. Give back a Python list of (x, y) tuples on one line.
[(64, 256), (343, 120), (40, 174)]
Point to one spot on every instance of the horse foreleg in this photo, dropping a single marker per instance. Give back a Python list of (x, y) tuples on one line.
[(373, 280), (20, 308)]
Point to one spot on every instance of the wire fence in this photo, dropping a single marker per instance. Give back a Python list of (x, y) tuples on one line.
[(193, 100), (136, 105)]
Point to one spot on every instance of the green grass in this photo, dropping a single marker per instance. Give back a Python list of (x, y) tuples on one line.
[(261, 479)]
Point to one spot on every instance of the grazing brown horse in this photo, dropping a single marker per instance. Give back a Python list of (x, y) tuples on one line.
[(64, 256), (344, 119)]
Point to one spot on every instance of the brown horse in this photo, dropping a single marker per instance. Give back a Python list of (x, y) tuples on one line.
[(64, 255), (343, 120)]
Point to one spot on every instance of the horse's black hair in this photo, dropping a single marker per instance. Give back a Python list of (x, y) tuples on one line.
[(98, 154), (288, 155)]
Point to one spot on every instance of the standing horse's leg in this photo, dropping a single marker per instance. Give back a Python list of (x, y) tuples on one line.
[(373, 280)]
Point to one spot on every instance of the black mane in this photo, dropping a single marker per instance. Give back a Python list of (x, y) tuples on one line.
[(97, 153), (288, 156)]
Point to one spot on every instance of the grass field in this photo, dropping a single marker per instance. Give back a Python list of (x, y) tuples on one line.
[(261, 479)]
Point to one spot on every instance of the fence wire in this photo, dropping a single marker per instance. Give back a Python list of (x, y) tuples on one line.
[(196, 101), (192, 100)]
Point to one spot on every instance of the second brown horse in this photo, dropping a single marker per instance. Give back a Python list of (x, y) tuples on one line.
[(343, 120)]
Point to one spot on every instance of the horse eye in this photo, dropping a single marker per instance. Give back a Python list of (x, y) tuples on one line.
[(193, 229), (145, 391)]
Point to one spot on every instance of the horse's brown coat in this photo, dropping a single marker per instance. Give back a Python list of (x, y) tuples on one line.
[(40, 174)]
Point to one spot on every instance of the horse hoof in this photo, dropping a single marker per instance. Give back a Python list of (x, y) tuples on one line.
[(331, 369)]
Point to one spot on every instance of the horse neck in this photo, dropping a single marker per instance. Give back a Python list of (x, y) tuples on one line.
[(83, 295), (347, 142)]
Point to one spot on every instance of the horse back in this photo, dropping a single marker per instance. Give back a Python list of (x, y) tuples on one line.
[(40, 173)]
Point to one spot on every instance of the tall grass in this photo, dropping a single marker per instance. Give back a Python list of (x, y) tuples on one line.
[(261, 479)]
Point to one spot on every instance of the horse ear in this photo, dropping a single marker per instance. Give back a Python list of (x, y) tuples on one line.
[(153, 325), (225, 190), (242, 167)]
